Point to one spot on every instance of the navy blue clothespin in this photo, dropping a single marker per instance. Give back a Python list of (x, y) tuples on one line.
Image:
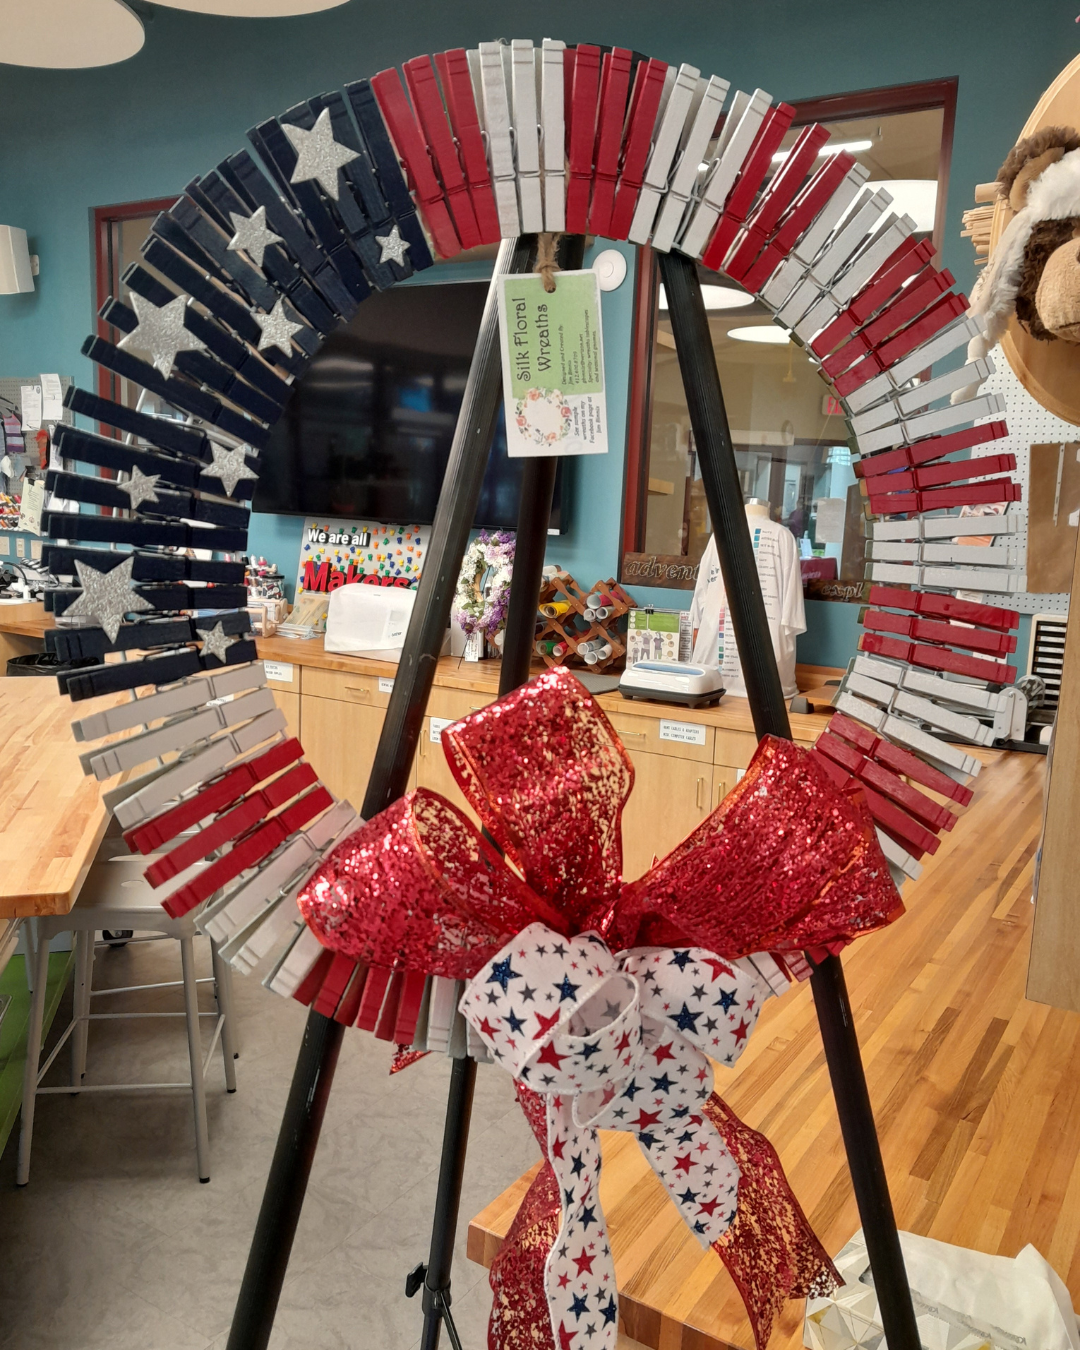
[(249, 183), (395, 188)]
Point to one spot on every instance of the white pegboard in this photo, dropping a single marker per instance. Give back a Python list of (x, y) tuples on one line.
[(1029, 424)]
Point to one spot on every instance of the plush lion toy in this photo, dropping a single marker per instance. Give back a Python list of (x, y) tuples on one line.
[(1035, 269)]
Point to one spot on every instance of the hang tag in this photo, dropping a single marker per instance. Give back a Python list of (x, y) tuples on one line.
[(33, 502), (553, 365), (30, 403), (52, 398)]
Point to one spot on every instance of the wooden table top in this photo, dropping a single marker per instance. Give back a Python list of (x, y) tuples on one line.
[(51, 815), (975, 1090), (28, 618)]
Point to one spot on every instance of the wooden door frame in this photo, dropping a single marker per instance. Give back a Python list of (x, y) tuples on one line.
[(104, 223)]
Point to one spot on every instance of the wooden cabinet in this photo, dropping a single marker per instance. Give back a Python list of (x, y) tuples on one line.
[(432, 770), (340, 740), (671, 797), (290, 706)]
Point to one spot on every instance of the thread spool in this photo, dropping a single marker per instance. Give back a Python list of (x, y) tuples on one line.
[(555, 609)]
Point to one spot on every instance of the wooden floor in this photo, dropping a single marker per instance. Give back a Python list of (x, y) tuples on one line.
[(976, 1092)]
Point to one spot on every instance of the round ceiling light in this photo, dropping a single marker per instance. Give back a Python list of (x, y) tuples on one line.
[(914, 197), (766, 332), (716, 297), (68, 34), (253, 9)]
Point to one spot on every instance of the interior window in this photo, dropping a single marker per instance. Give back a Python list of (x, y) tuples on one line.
[(789, 434)]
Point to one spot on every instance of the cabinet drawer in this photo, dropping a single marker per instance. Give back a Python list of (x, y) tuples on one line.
[(664, 736), (734, 747), (283, 675), (347, 687), (454, 704)]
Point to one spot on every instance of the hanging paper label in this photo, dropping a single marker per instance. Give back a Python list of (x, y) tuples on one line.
[(31, 506), (553, 365)]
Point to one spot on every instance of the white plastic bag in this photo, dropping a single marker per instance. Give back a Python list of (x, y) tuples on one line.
[(365, 620), (964, 1300)]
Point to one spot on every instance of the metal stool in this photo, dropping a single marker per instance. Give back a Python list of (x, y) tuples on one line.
[(116, 897)]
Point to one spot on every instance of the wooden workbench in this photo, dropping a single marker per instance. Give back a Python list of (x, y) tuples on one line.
[(51, 815), (976, 1092)]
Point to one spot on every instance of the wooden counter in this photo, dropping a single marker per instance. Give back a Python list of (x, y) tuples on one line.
[(974, 1088), (482, 677), (51, 815)]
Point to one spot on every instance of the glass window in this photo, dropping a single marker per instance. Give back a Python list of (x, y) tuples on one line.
[(789, 434)]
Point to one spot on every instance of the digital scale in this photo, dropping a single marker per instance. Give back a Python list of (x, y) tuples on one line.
[(673, 682)]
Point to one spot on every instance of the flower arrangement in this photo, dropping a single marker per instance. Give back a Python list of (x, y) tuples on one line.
[(483, 589), (543, 416)]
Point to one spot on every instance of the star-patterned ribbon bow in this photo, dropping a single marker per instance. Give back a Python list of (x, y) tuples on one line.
[(786, 862), (617, 1043)]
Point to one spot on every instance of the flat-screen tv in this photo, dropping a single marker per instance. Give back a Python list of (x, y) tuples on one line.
[(367, 430)]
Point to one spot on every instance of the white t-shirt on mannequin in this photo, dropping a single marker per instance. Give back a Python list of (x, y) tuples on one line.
[(777, 556)]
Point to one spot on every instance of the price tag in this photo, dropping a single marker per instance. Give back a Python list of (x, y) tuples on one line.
[(280, 670), (438, 726), (687, 733), (386, 686)]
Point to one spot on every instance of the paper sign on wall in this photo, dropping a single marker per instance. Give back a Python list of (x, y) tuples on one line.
[(337, 552), (553, 365)]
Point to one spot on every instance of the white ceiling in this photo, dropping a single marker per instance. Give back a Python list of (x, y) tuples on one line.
[(65, 34)]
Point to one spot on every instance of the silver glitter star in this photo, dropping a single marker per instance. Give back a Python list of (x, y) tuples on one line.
[(319, 156), (107, 596), (215, 643), (230, 466), (252, 234), (161, 332), (277, 328), (140, 487), (393, 246)]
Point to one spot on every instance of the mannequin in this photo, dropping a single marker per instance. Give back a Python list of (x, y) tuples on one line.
[(777, 554)]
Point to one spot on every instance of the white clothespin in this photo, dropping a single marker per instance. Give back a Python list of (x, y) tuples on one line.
[(553, 133), (741, 126), (497, 122), (680, 91), (694, 147)]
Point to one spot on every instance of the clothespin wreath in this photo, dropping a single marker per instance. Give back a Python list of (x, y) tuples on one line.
[(606, 1000)]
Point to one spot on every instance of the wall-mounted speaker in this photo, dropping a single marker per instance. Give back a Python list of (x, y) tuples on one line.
[(16, 274)]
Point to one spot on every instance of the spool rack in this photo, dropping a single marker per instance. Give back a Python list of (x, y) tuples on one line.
[(573, 628)]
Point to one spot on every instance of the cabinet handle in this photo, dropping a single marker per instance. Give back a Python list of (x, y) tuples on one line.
[(633, 735), (358, 689), (700, 786)]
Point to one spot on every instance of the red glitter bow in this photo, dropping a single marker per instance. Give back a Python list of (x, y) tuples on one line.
[(784, 863)]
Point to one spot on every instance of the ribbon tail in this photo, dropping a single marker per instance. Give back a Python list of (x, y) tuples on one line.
[(770, 1250)]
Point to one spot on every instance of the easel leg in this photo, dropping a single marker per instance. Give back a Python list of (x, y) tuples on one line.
[(301, 1124), (534, 515), (708, 417)]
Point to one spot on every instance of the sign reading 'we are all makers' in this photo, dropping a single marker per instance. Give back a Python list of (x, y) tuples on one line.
[(553, 365)]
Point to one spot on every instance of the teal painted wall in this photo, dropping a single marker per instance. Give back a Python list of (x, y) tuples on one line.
[(75, 140)]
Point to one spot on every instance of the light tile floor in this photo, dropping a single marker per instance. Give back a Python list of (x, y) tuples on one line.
[(115, 1244)]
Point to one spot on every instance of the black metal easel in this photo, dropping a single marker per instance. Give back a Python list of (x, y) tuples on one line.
[(723, 492), (291, 1166)]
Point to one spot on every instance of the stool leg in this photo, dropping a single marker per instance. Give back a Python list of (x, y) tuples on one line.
[(198, 1087), (84, 975), (223, 994), (33, 1057)]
